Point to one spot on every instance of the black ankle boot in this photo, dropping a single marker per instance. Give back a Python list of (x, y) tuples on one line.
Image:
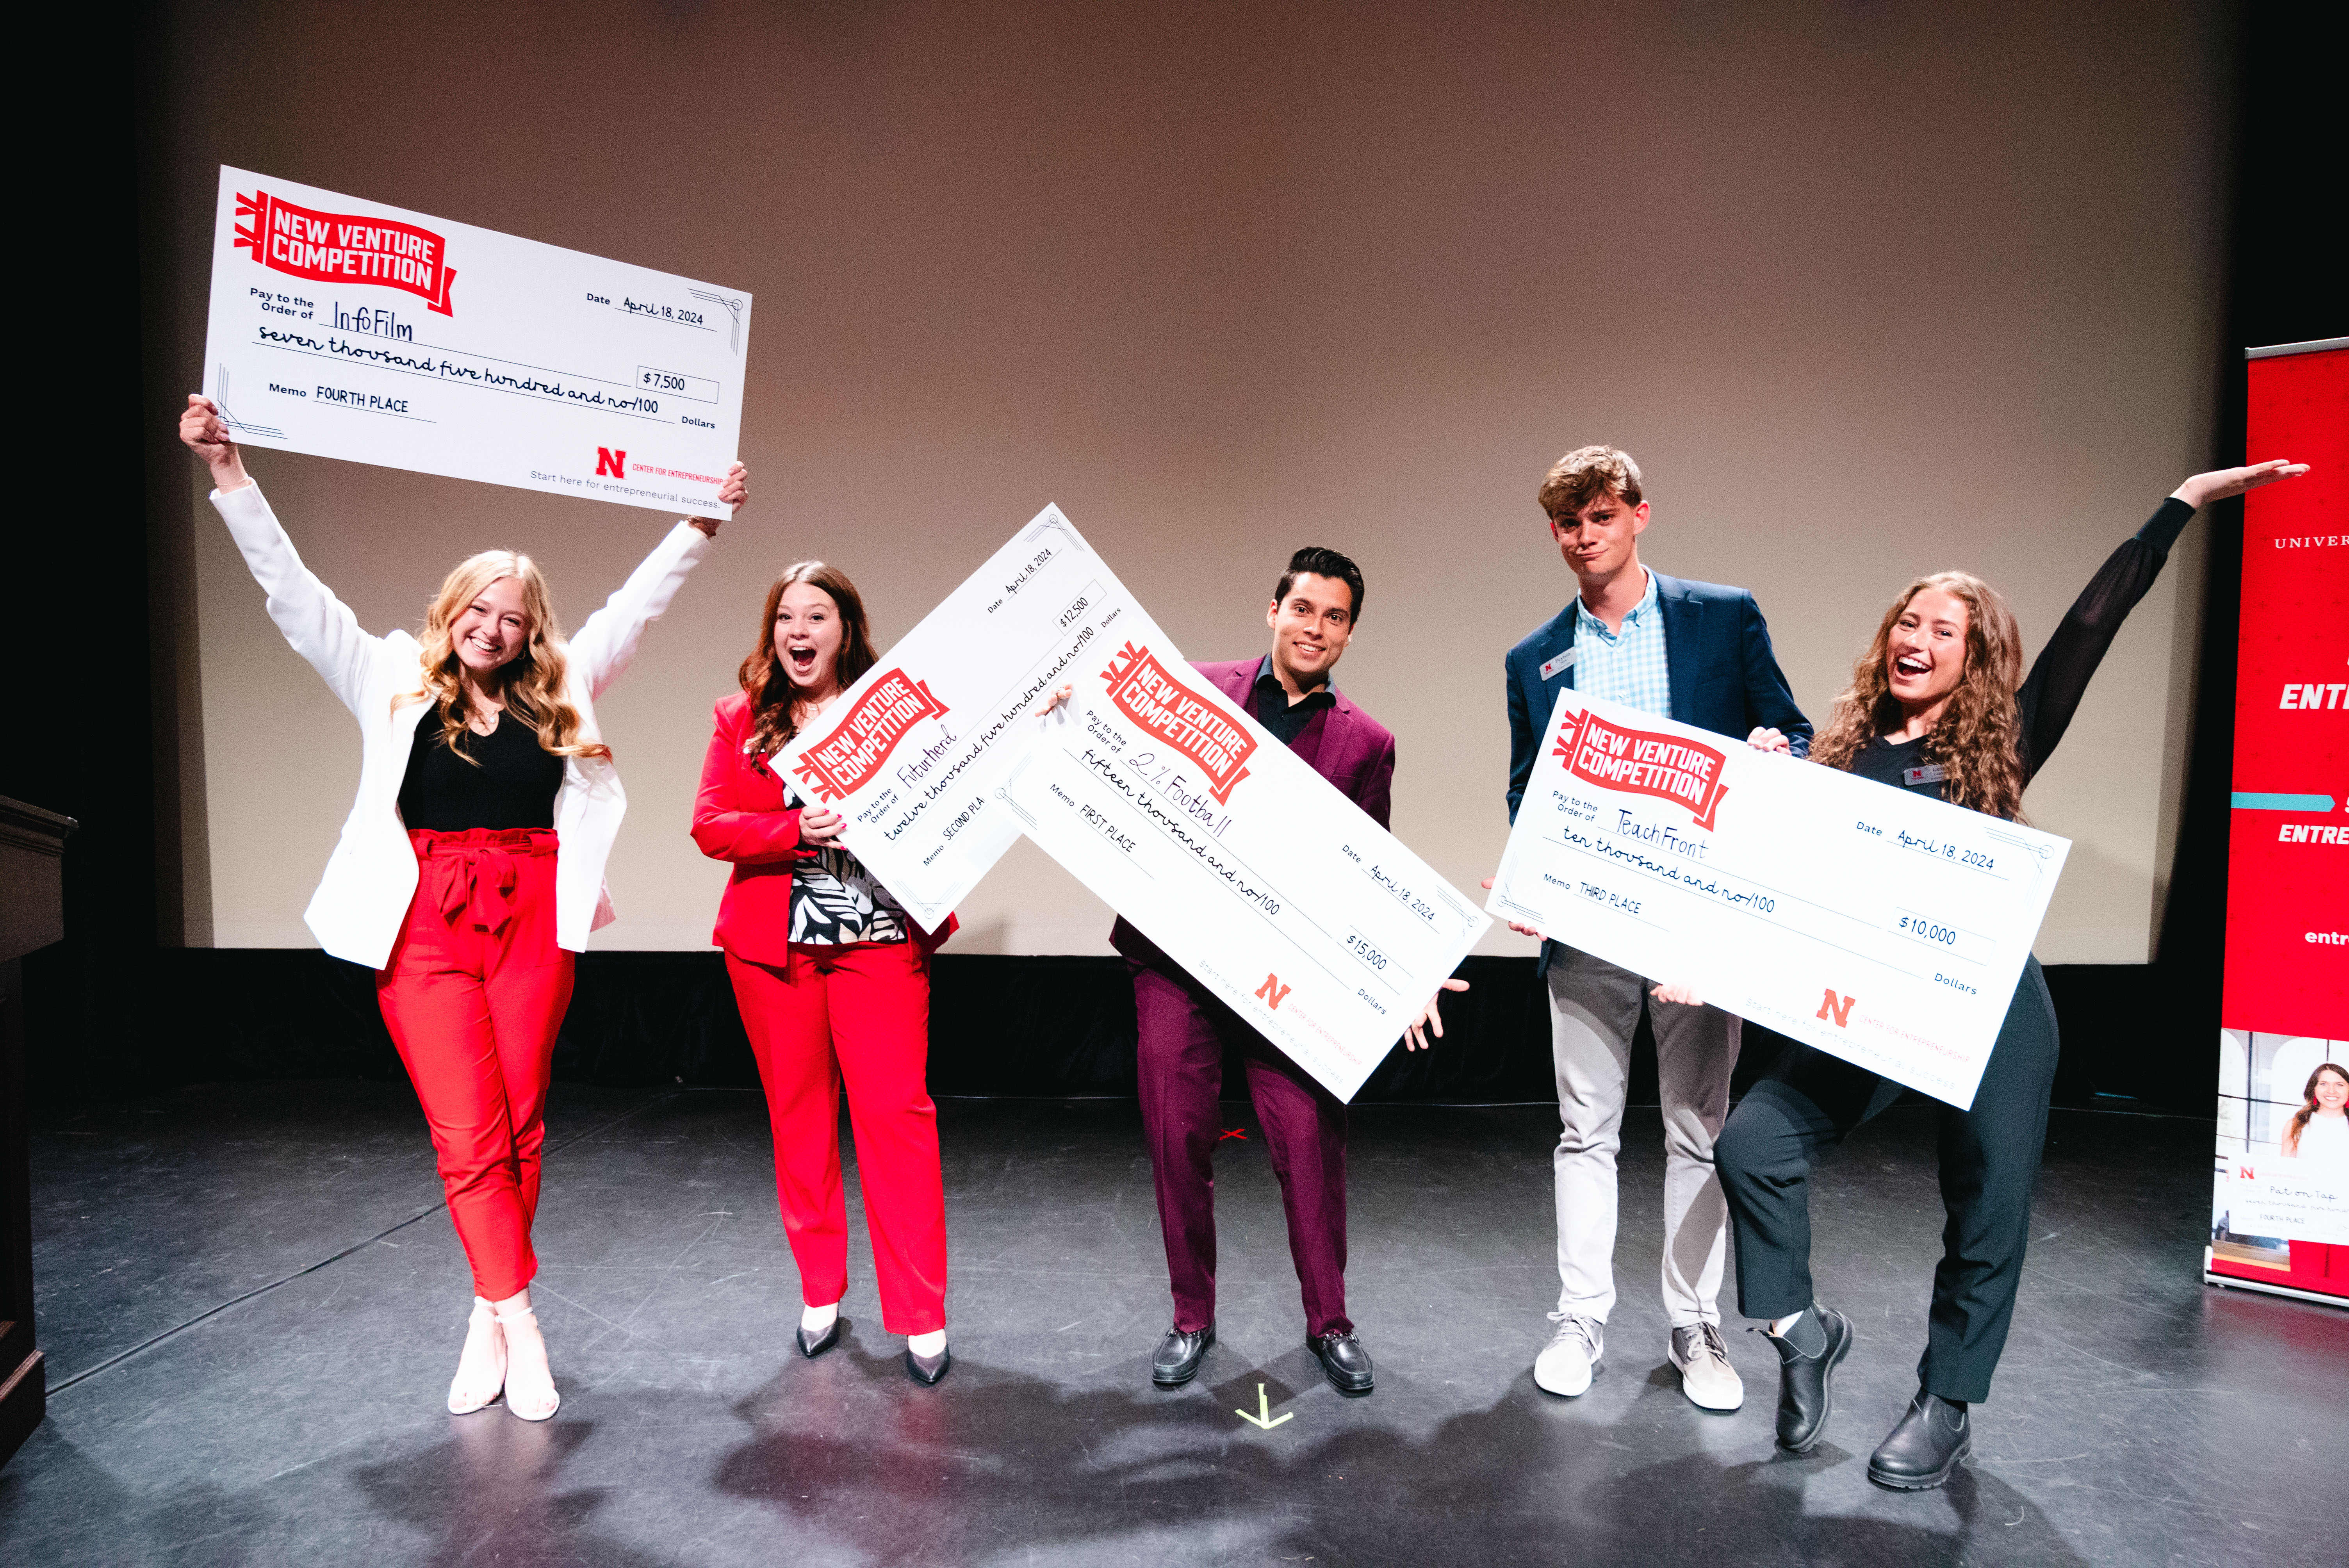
[(1928, 1444), (1807, 1381)]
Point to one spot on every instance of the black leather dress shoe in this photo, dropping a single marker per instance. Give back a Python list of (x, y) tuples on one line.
[(815, 1345), (1343, 1361), (1807, 1383), (1930, 1442), (1179, 1354), (927, 1370)]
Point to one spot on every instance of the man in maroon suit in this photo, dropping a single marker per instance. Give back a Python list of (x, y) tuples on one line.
[(1185, 1029)]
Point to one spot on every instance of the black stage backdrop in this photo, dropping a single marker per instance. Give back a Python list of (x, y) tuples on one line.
[(112, 1013)]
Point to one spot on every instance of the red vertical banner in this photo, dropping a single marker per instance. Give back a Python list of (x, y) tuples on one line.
[(2280, 1211)]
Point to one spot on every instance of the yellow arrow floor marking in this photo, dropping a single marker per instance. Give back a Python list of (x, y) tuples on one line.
[(1264, 1417)]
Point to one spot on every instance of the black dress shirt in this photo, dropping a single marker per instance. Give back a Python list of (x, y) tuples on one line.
[(1285, 718)]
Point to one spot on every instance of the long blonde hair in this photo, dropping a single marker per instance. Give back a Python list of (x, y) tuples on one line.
[(532, 680), (1978, 740)]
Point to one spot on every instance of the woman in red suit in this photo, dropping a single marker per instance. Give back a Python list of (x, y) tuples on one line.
[(832, 978)]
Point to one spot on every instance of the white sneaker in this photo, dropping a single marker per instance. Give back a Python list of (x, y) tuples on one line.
[(1572, 1354), (1706, 1376)]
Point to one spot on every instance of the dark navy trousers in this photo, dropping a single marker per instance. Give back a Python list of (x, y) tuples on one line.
[(1808, 1102)]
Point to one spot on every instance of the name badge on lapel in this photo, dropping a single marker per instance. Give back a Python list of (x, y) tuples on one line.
[(1565, 661), (1930, 774)]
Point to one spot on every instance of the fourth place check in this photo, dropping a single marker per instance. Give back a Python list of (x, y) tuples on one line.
[(1884, 928)]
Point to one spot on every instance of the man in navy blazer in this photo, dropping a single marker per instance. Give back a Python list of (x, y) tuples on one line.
[(1184, 1029), (1700, 654)]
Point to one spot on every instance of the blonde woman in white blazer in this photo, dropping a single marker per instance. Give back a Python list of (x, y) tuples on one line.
[(471, 869)]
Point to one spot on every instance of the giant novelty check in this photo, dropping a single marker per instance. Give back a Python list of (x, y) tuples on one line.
[(1247, 867), (346, 328), (1881, 926), (916, 752)]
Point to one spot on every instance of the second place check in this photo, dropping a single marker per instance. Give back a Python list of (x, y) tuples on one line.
[(1304, 916)]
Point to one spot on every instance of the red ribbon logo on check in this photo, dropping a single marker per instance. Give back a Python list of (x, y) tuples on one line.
[(337, 247), (1148, 694), (862, 742), (1644, 762)]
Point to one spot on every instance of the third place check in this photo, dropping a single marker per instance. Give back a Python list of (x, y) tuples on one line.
[(1881, 926), (1247, 867)]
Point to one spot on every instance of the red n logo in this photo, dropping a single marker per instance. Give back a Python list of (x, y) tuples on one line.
[(608, 461), (1272, 991), (1837, 1007)]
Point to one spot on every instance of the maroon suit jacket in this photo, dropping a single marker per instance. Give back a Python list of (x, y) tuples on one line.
[(1341, 743)]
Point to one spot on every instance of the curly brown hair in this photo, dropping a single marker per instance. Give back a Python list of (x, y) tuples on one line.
[(768, 681), (1978, 740)]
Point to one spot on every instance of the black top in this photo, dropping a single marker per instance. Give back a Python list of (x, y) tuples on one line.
[(510, 783), (1287, 720), (2051, 693)]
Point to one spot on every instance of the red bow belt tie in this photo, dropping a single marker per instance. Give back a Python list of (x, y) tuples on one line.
[(480, 880)]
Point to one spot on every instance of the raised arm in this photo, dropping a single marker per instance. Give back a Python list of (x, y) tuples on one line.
[(722, 827), (2059, 678), (606, 646), (320, 626)]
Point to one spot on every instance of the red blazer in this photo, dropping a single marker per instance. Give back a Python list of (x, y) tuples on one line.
[(739, 816), (1343, 744)]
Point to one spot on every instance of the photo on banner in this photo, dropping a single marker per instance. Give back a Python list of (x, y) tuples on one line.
[(2280, 1202)]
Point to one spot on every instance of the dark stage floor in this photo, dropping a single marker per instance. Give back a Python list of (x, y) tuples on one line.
[(2140, 1418)]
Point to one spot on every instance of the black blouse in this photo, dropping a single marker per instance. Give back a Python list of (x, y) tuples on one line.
[(2051, 693), (510, 781)]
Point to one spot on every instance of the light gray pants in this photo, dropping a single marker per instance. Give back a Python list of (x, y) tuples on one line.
[(1594, 1006)]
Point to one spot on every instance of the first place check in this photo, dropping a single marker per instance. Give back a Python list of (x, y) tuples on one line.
[(1247, 867), (345, 328), (1884, 928)]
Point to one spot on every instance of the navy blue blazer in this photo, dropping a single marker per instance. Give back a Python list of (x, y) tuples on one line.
[(1725, 677)]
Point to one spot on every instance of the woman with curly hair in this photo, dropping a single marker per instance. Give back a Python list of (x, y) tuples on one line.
[(832, 977), (1939, 705), (2319, 1130), (471, 866)]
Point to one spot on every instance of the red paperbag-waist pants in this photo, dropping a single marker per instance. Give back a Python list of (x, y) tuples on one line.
[(857, 1014), (474, 994)]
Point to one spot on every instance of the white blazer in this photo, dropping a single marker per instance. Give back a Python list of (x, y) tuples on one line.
[(362, 901)]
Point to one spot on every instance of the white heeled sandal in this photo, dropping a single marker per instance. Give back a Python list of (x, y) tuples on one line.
[(506, 1317), (463, 1401)]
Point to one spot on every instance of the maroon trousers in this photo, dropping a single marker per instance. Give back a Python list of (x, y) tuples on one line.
[(1184, 1031)]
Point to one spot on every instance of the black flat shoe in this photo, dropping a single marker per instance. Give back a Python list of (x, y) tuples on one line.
[(1343, 1361), (1931, 1440), (1177, 1359), (1807, 1383), (927, 1370), (814, 1345)]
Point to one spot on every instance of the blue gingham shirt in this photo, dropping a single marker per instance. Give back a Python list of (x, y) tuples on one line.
[(1627, 666)]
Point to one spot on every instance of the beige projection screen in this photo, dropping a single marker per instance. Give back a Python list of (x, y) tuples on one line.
[(1868, 291)]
